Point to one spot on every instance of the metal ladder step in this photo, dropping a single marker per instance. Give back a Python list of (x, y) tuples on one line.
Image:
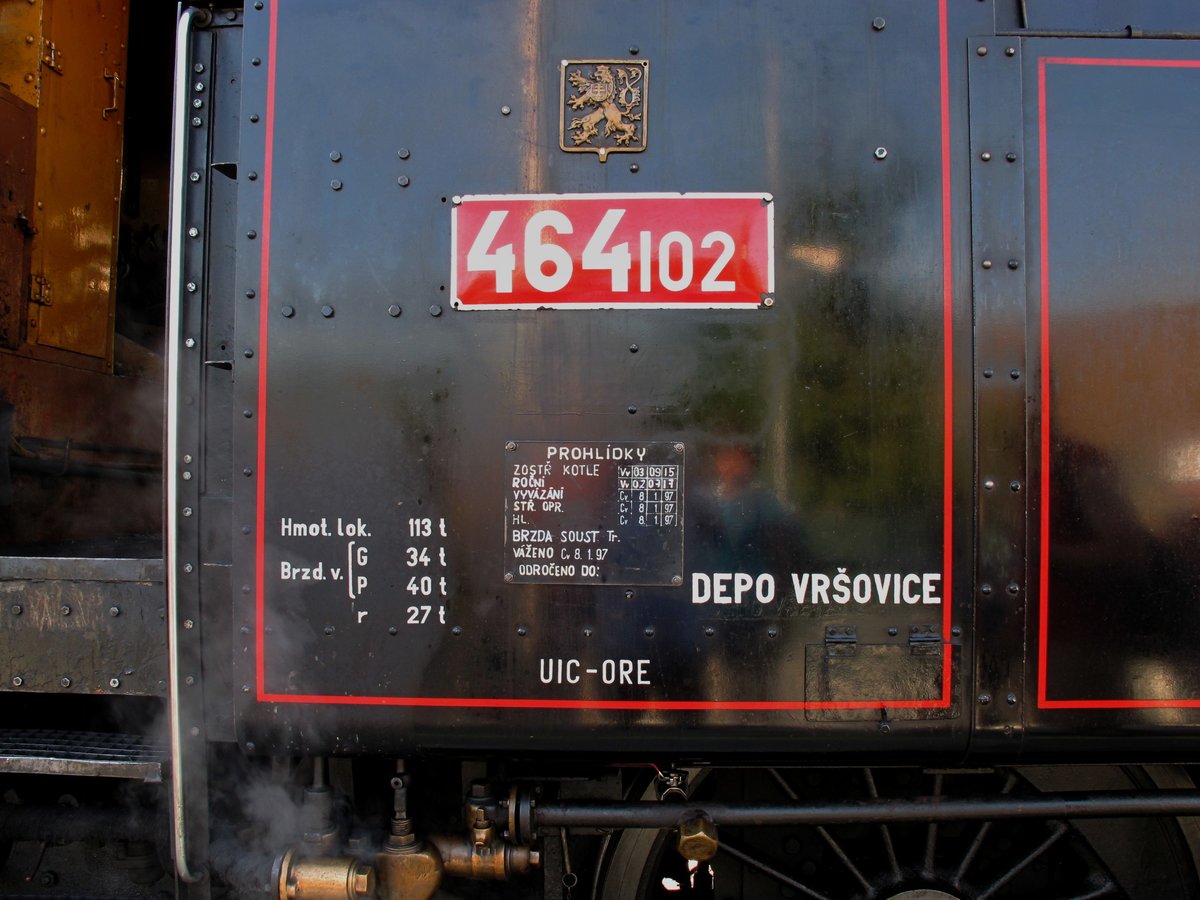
[(91, 753)]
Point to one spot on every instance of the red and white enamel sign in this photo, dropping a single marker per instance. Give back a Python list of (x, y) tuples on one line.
[(601, 251)]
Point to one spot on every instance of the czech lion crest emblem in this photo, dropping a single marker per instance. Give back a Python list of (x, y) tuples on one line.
[(603, 108)]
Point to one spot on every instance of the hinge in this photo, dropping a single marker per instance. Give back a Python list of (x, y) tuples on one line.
[(39, 290), (51, 57), (924, 640), (841, 640)]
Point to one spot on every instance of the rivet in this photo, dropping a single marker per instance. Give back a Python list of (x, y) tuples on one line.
[(985, 156), (16, 609), (1011, 157), (633, 348), (64, 682), (679, 448), (508, 576), (188, 624), (989, 372), (456, 630), (254, 117), (634, 50), (403, 181), (393, 630), (187, 512), (881, 152), (632, 410), (114, 611), (879, 23), (257, 5), (253, 176), (335, 184), (247, 471), (1010, 51), (328, 630), (327, 311), (981, 51), (884, 727), (250, 745), (1012, 699), (677, 580), (193, 232), (435, 310), (250, 294), (1014, 588), (522, 630), (956, 631), (248, 353), (709, 631), (287, 311), (334, 156), (985, 699), (245, 688), (505, 110), (188, 567), (189, 343), (1014, 374), (251, 234), (256, 61), (393, 310), (587, 632), (1014, 486), (29, 78), (246, 529), (189, 680), (629, 594), (772, 631), (634, 168), (403, 153), (1014, 264), (985, 588), (511, 445), (987, 263), (194, 731), (648, 631), (989, 484), (191, 287)]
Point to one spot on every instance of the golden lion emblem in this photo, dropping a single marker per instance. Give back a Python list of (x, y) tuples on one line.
[(613, 91)]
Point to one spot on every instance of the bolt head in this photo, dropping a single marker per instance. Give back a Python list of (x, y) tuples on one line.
[(394, 311), (879, 23), (114, 611), (114, 683), (64, 682), (698, 839), (327, 312), (505, 110), (709, 631), (985, 699), (16, 609), (881, 152), (676, 580), (403, 181)]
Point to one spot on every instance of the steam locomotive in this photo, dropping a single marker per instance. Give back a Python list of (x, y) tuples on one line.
[(615, 450)]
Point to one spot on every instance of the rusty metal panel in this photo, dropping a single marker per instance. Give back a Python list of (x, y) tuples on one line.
[(21, 46), (82, 626), (80, 121), (18, 120)]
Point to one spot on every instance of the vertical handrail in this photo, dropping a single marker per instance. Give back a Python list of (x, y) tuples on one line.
[(187, 19)]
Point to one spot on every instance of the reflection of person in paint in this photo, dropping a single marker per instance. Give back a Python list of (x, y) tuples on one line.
[(738, 524)]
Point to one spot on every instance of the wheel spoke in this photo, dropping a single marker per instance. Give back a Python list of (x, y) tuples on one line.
[(1059, 830), (771, 872), (931, 833), (884, 831), (973, 850), (841, 854)]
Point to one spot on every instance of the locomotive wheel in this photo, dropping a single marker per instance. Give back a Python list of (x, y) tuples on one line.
[(995, 860)]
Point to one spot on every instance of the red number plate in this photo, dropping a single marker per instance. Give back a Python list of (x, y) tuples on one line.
[(597, 251)]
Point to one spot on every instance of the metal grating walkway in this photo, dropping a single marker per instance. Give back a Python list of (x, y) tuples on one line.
[(45, 752)]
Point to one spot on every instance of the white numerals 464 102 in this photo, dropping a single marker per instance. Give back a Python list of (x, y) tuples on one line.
[(549, 267)]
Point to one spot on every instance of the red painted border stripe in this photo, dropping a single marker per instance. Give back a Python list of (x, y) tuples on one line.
[(943, 702), (1043, 700), (264, 291), (948, 359)]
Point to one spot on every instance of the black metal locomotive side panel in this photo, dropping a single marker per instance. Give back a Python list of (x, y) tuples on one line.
[(382, 425), (1115, 216)]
